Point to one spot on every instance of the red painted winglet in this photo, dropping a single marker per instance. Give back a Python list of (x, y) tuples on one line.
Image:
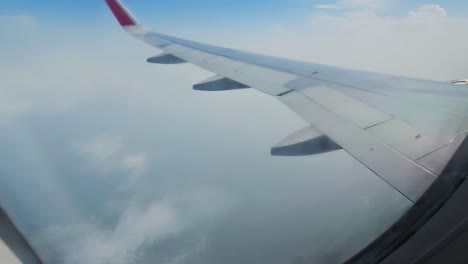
[(121, 13)]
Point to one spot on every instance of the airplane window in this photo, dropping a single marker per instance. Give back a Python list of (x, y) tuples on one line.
[(194, 157)]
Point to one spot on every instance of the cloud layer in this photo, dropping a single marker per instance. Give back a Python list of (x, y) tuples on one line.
[(137, 228), (426, 43), (155, 171)]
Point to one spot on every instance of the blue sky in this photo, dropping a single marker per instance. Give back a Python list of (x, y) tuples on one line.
[(203, 12), (209, 13)]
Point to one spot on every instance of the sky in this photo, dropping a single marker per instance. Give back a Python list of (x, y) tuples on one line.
[(108, 159)]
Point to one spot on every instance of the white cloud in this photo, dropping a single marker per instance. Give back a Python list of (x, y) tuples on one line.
[(49, 69), (187, 254), (107, 153), (370, 4), (427, 43), (135, 163), (328, 6), (137, 227), (88, 243), (102, 148), (428, 14)]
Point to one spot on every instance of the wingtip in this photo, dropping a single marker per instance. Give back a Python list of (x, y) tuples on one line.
[(121, 13)]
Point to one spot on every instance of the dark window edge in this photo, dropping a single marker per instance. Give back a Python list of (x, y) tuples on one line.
[(420, 213)]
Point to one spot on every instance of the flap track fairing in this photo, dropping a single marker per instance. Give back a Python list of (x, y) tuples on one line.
[(219, 83), (165, 58), (305, 142)]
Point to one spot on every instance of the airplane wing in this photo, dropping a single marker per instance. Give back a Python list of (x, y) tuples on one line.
[(404, 130)]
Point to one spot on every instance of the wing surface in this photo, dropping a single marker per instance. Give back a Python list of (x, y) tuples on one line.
[(404, 130)]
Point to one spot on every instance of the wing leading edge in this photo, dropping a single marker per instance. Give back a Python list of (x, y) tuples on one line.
[(384, 129)]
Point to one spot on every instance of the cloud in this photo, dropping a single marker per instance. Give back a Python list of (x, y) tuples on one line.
[(327, 6), (72, 69), (186, 255), (47, 69), (135, 163), (136, 228), (427, 43), (427, 14), (88, 243), (106, 153), (102, 148)]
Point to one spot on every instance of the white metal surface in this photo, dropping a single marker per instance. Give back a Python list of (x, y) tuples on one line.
[(400, 172), (400, 136), (406, 119), (350, 109)]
